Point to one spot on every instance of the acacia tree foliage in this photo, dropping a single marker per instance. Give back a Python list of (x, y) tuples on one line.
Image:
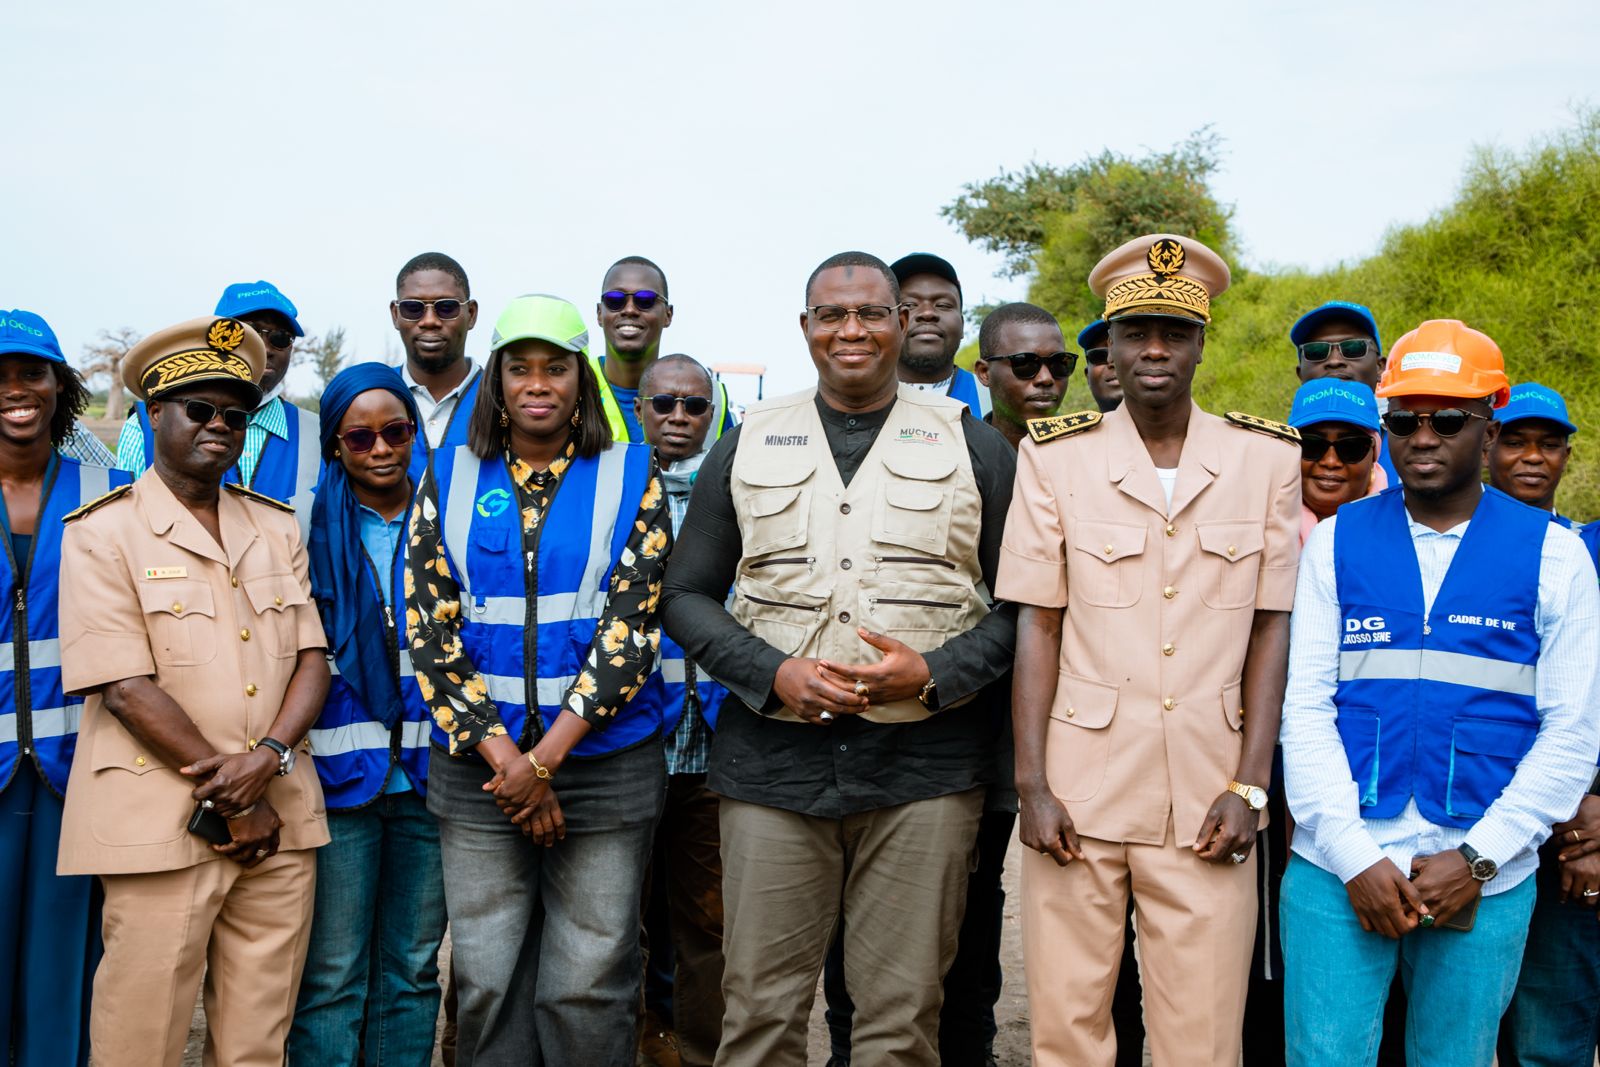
[(104, 358), (326, 353)]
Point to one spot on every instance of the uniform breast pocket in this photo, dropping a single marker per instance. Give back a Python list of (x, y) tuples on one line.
[(1229, 562), (1106, 568), (181, 619), (273, 598)]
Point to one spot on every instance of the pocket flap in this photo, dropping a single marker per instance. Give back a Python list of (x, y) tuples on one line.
[(491, 538), (177, 598), (1233, 704), (1109, 541), (273, 592), (913, 497), (1231, 540), (931, 468), (1490, 737), (767, 598), (792, 472), (1084, 701), (771, 501)]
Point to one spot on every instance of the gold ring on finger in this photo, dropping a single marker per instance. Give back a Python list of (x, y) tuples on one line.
[(861, 688), (1576, 837)]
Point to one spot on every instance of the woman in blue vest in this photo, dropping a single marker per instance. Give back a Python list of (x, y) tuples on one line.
[(49, 926), (536, 559), (380, 886)]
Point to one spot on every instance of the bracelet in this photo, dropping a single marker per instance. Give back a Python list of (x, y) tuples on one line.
[(241, 814), (539, 769)]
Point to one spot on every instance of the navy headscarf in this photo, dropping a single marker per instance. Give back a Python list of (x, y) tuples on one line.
[(351, 613)]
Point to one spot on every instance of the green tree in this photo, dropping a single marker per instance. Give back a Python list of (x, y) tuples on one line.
[(326, 353)]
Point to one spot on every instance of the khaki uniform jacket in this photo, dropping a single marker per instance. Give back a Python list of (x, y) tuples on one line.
[(1158, 608), (145, 591)]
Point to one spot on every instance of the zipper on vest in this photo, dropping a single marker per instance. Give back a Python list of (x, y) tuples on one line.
[(789, 561), (779, 603), (22, 681), (914, 603), (916, 559)]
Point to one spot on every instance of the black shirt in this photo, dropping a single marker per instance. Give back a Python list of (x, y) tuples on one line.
[(852, 765)]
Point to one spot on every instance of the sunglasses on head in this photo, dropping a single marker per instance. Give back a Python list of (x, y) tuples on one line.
[(1348, 449), (617, 299), (1446, 422), (200, 412), (413, 310), (275, 336), (1097, 357), (693, 406), (363, 439), (1317, 351), (1026, 365)]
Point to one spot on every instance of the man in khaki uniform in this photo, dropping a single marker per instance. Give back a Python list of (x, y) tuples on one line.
[(1152, 550), (187, 622)]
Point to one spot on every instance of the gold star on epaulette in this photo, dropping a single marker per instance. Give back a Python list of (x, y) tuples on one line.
[(98, 502), (1266, 426), (260, 498), (1053, 426)]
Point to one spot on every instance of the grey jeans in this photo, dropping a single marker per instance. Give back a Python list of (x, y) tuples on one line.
[(546, 940)]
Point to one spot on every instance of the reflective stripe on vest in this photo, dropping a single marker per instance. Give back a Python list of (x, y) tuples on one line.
[(966, 388), (1437, 705), (37, 717)]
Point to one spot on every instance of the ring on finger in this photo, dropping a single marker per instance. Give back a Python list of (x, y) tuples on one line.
[(825, 716), (1576, 837), (861, 688), (1591, 892), (261, 853), (1238, 857)]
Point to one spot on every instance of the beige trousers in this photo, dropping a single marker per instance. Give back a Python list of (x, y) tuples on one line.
[(247, 932), (1196, 926), (900, 876)]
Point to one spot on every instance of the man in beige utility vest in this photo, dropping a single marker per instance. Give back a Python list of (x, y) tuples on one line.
[(1151, 551), (187, 621), (859, 525)]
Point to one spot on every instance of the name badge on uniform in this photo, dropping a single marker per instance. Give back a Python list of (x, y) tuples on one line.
[(166, 572)]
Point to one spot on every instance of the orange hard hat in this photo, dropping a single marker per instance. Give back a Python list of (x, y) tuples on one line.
[(1446, 357)]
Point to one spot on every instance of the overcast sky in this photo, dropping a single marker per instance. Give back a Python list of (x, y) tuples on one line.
[(155, 152)]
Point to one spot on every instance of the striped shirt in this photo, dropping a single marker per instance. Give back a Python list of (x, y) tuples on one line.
[(1552, 777), (268, 418)]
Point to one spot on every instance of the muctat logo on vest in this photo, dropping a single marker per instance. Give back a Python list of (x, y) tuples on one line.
[(918, 436), (1369, 630), (788, 440), (494, 503)]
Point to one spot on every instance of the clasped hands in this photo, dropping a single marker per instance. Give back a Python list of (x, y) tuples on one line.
[(234, 785), (818, 690)]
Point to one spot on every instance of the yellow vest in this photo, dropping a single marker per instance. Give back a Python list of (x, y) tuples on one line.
[(619, 425)]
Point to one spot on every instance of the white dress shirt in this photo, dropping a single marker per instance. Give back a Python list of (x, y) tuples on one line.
[(436, 413), (1551, 779)]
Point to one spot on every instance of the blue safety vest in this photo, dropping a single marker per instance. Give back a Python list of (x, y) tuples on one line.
[(966, 388), (455, 431), (673, 670), (1385, 460), (1437, 706), (544, 605), (287, 469), (1590, 536), (353, 751), (36, 717)]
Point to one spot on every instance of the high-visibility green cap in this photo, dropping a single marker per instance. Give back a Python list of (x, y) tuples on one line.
[(539, 316)]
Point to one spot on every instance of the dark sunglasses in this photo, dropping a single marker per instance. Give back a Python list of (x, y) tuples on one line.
[(1097, 357), (1317, 351), (1446, 422), (1025, 365), (617, 299), (693, 406), (362, 439), (413, 310), (275, 338), (1348, 449), (200, 412)]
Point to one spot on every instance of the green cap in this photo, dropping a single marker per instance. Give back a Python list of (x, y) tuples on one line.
[(541, 317)]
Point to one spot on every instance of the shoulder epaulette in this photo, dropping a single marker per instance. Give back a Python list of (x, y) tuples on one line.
[(260, 498), (97, 502), (1053, 426), (1267, 426)]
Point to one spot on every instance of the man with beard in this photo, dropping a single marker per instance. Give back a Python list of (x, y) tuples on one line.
[(932, 295), (433, 311)]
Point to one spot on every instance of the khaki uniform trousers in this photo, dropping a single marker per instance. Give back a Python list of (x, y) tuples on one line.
[(1196, 926), (246, 930)]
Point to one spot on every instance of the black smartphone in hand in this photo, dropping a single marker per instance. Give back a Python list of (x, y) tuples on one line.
[(206, 823)]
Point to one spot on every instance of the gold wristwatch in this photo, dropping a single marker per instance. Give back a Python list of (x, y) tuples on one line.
[(929, 697), (1253, 795)]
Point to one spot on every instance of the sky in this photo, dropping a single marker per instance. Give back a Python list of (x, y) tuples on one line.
[(155, 152)]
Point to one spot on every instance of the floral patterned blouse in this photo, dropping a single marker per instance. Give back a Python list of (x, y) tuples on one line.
[(620, 657)]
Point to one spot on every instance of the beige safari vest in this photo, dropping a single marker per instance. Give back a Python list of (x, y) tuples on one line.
[(896, 552)]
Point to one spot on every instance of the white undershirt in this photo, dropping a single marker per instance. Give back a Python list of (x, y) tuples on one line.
[(1169, 481), (940, 388)]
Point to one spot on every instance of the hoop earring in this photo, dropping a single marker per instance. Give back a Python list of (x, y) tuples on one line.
[(505, 420)]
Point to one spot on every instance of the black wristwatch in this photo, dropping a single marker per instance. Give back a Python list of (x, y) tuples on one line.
[(285, 754), (1482, 867)]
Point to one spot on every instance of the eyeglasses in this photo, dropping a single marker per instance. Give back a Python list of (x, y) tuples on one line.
[(1348, 449), (617, 299), (276, 337), (1354, 348), (693, 406), (363, 439), (413, 310), (200, 412), (831, 317), (1025, 365), (1446, 422), (1097, 357)]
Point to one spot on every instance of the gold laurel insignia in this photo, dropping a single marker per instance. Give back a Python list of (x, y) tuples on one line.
[(1280, 430), (1161, 296), (1052, 427), (225, 335), (1166, 257), (175, 368)]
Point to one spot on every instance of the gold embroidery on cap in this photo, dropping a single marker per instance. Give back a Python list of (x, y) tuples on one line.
[(1166, 257), (182, 365), (227, 334)]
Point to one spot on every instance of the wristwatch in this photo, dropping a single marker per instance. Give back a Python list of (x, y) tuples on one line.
[(930, 695), (285, 754), (1482, 867), (1253, 795)]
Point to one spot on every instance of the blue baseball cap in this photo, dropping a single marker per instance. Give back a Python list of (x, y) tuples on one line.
[(242, 298), (1333, 309), (1530, 400), (1094, 335), (1334, 400), (25, 334)]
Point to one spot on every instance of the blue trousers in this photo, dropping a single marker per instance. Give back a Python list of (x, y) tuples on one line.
[(371, 985), (49, 933), (1337, 977), (1554, 1018)]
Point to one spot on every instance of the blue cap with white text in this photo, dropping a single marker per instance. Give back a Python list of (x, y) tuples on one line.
[(243, 298), (1530, 400), (1300, 332), (23, 333), (1334, 400)]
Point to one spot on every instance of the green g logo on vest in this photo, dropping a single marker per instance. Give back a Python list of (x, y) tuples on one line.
[(494, 503)]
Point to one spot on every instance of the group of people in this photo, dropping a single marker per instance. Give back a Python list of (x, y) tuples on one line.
[(664, 713)]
